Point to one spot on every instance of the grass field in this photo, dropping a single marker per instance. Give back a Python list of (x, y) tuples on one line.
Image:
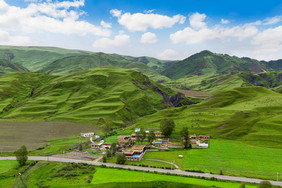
[(232, 157), (57, 174), (106, 175), (35, 135)]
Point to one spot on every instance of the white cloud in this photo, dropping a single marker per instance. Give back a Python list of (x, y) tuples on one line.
[(269, 40), (149, 38), (143, 21), (116, 12), (200, 32), (48, 17), (118, 41), (273, 20), (105, 24), (223, 21), (196, 20), (168, 54), (7, 39)]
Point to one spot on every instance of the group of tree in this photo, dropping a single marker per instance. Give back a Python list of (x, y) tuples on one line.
[(141, 135)]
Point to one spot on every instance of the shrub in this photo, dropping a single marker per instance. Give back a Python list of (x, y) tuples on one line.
[(121, 159), (90, 177), (242, 185), (264, 184)]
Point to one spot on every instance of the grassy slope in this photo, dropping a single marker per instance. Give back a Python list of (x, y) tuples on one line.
[(35, 58), (43, 174), (112, 93), (212, 83), (77, 63), (207, 62), (9, 67), (156, 64), (251, 114)]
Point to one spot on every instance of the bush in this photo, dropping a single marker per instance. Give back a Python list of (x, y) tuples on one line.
[(90, 177), (220, 172), (264, 184), (242, 185), (121, 159), (21, 155)]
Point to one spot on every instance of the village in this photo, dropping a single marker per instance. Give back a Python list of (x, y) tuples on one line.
[(134, 148)]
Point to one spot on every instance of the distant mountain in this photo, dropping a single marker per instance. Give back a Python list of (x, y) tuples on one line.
[(207, 62), (273, 65), (154, 63), (114, 94), (77, 63), (35, 58), (7, 66)]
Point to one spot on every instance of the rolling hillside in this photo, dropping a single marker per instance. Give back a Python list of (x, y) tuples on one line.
[(35, 58), (114, 94), (249, 114), (159, 65), (206, 62), (7, 66), (224, 82), (82, 62)]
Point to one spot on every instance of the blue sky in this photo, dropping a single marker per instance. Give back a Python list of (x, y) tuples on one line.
[(163, 29)]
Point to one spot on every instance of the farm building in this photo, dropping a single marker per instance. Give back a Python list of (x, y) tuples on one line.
[(97, 145), (123, 140), (158, 134), (87, 134), (133, 136), (137, 130), (135, 153), (193, 139), (204, 137)]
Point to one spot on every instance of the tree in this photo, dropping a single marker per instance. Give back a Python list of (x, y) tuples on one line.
[(185, 136), (167, 126), (108, 153), (151, 136), (121, 158), (138, 136), (143, 135), (21, 155), (104, 158), (113, 149), (242, 185), (264, 184)]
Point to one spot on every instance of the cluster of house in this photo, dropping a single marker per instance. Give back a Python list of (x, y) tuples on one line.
[(136, 152), (201, 142)]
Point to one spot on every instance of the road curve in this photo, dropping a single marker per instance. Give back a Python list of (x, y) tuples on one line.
[(193, 174)]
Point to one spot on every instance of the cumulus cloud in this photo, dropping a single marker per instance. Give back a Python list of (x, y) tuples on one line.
[(199, 32), (196, 20), (149, 38), (168, 54), (7, 39), (143, 21), (105, 24), (273, 20), (223, 21), (118, 41), (269, 40), (57, 17)]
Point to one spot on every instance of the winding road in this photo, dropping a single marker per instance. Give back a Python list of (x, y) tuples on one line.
[(179, 172)]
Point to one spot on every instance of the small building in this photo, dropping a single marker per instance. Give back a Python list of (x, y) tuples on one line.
[(97, 145), (158, 134), (123, 140), (87, 134), (133, 136), (193, 139), (135, 153), (137, 130), (204, 137)]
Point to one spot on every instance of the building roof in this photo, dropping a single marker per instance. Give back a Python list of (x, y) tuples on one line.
[(124, 138), (135, 148)]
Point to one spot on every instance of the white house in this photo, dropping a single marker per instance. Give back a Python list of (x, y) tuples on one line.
[(91, 134)]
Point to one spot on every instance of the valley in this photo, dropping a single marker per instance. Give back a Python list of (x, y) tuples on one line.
[(49, 96)]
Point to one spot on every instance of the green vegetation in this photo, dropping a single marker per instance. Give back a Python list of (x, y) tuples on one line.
[(115, 95), (7, 66), (21, 155), (207, 62), (106, 175)]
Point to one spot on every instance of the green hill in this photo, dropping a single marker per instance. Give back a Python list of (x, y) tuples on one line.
[(273, 65), (249, 114), (224, 82), (35, 58), (7, 66), (82, 62), (154, 63), (206, 62), (114, 94)]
